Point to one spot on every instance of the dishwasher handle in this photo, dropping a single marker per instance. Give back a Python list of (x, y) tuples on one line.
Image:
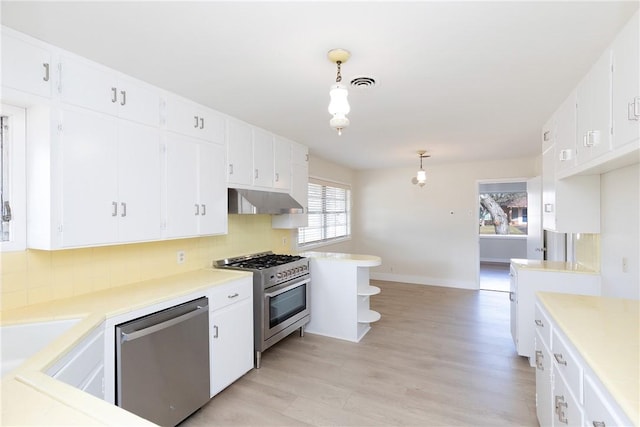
[(124, 337)]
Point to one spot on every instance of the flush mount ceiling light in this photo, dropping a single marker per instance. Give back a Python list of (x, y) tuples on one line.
[(421, 175), (338, 106)]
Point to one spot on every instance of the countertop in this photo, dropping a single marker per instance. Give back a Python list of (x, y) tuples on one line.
[(606, 332), (356, 259), (31, 397), (556, 266)]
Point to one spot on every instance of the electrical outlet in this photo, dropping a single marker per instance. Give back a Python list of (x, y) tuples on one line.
[(180, 257)]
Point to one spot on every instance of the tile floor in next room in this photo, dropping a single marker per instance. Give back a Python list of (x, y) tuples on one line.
[(438, 357)]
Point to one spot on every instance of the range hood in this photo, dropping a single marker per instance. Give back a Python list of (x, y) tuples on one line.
[(243, 201)]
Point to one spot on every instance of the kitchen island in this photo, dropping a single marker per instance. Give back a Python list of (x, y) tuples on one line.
[(30, 396), (340, 293)]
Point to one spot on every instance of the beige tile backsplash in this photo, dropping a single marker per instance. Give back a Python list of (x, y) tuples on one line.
[(35, 276), (587, 250)]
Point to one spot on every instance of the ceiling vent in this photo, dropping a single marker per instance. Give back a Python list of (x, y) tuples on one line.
[(363, 82)]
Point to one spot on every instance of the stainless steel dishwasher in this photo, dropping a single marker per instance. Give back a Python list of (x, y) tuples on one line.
[(162, 363)]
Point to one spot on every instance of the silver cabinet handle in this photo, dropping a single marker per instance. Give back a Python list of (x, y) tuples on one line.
[(114, 212), (277, 177), (204, 209), (196, 124), (560, 359), (565, 155), (201, 123), (124, 337), (230, 169), (539, 322), (591, 138), (599, 424), (633, 109), (560, 403), (124, 97), (215, 328), (306, 157), (46, 71), (124, 209), (233, 295), (539, 359), (511, 296), (197, 209), (256, 174), (546, 136), (548, 207), (114, 95)]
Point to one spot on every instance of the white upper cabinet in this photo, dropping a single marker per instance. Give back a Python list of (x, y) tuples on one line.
[(191, 119), (594, 111), (281, 163), (90, 85), (565, 134), (87, 185), (239, 153), (196, 194), (262, 159), (26, 66), (626, 84)]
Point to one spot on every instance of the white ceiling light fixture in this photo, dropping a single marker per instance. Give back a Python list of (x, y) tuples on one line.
[(421, 175), (338, 106)]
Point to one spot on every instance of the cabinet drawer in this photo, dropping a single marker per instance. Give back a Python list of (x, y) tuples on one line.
[(599, 409), (567, 409), (543, 325), (567, 364), (231, 293)]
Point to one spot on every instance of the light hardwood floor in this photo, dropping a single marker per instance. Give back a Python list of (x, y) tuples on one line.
[(438, 357)]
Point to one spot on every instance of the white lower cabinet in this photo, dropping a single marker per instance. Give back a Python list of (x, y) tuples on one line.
[(231, 333), (83, 366), (525, 283), (568, 392)]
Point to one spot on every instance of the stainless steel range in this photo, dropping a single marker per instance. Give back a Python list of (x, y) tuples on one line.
[(280, 295)]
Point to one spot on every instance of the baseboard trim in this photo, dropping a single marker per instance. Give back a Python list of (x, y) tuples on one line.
[(424, 280)]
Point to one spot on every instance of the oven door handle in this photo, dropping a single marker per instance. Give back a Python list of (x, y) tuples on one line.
[(287, 288)]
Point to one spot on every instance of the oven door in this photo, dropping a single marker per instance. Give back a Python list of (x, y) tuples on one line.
[(284, 305)]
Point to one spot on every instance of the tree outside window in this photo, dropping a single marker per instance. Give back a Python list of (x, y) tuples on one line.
[(503, 213)]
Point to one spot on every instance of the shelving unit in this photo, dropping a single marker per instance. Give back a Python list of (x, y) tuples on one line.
[(340, 295)]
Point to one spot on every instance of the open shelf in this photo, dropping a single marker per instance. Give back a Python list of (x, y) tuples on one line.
[(368, 290), (368, 316)]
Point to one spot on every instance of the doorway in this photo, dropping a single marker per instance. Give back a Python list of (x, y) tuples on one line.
[(507, 220)]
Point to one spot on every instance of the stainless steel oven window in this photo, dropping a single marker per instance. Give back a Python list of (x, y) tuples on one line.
[(287, 304)]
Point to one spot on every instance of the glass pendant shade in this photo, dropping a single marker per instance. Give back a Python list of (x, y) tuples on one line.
[(339, 103), (421, 177)]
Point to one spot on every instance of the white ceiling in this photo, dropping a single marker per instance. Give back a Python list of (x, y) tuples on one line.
[(463, 80)]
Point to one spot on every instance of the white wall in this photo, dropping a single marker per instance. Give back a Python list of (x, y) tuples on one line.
[(426, 235), (620, 232), (502, 248)]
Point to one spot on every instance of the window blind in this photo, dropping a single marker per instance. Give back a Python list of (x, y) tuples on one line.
[(329, 213)]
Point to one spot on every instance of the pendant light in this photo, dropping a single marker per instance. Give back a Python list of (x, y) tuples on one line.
[(421, 175), (339, 105)]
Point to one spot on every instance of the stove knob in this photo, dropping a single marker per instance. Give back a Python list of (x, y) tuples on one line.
[(279, 275)]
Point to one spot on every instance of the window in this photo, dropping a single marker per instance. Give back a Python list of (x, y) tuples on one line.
[(12, 179), (503, 213), (329, 213)]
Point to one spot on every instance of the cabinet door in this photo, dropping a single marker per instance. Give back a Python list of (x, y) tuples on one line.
[(139, 183), (182, 208), (26, 67), (89, 178), (281, 164), (191, 119), (262, 159), (213, 189), (549, 189), (88, 85), (138, 102), (239, 153), (231, 343), (565, 134), (544, 388), (594, 111), (626, 84)]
